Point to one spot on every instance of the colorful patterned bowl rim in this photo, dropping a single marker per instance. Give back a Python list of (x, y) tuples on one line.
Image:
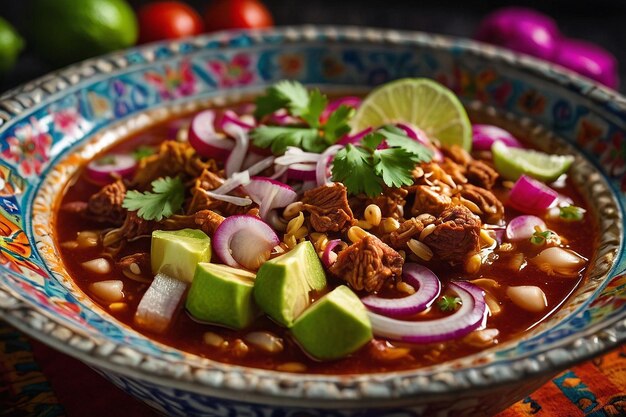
[(228, 381)]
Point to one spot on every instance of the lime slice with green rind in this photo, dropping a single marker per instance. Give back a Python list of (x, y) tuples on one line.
[(511, 163), (421, 102)]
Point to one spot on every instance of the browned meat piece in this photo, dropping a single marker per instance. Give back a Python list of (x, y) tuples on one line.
[(492, 210), (481, 174), (205, 220), (137, 264), (408, 230), (208, 221), (457, 154), (173, 159), (133, 227), (106, 204), (456, 234), (199, 200), (367, 264), (329, 208), (428, 200), (454, 170), (391, 202)]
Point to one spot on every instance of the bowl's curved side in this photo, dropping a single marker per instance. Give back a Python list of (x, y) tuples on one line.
[(53, 114)]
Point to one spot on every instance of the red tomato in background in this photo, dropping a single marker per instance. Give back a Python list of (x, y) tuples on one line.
[(167, 20), (237, 14)]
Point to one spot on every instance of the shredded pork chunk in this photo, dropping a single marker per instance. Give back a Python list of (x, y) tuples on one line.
[(329, 208)]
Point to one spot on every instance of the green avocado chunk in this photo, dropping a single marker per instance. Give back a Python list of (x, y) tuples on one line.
[(177, 252), (283, 284), (334, 326), (222, 295)]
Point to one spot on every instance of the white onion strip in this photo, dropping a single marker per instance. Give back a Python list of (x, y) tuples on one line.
[(238, 201), (321, 170), (160, 302), (261, 166), (427, 288), (469, 317), (238, 154), (236, 180)]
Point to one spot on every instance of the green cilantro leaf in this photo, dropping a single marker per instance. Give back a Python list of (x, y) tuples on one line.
[(448, 303), (280, 137), (313, 110), (395, 137), (571, 213), (165, 199), (540, 237), (394, 166), (142, 152), (337, 124), (106, 160), (372, 141), (290, 94), (352, 166)]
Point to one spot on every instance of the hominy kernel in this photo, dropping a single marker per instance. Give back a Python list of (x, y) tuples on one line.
[(301, 232), (212, 339), (134, 268), (426, 231), (420, 249), (70, 244), (390, 225), (402, 254), (320, 243), (118, 307), (486, 238), (292, 210), (471, 205), (363, 224), (291, 367), (290, 241), (355, 234), (405, 288), (240, 349), (373, 215), (473, 263), (315, 236), (98, 266), (295, 224)]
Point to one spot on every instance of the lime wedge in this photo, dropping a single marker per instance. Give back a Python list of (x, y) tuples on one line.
[(421, 102), (511, 163)]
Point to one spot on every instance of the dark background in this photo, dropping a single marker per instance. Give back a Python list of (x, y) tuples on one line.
[(599, 21)]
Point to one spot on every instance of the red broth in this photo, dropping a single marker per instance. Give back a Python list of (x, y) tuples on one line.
[(188, 335)]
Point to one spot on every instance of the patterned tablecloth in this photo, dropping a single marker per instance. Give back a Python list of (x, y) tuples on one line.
[(38, 381)]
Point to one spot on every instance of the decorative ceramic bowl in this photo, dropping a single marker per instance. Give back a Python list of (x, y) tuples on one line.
[(52, 125)]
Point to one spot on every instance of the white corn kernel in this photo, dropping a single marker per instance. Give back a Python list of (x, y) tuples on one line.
[(420, 249), (355, 234), (373, 215)]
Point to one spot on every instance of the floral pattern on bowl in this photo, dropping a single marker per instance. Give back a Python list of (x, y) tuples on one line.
[(52, 125)]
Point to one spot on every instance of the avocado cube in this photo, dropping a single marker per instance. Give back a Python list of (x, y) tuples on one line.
[(283, 284), (334, 326), (177, 252), (222, 295)]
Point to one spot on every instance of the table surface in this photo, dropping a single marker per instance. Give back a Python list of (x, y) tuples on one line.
[(37, 381)]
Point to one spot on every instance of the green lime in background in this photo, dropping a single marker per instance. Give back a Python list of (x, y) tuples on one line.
[(66, 31), (11, 44)]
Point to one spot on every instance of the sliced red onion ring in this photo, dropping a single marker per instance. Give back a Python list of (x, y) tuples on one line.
[(330, 256), (269, 194), (531, 196), (230, 118), (244, 241), (486, 135), (427, 289), (160, 303), (469, 317), (356, 137), (348, 101), (205, 140), (301, 172), (523, 227), (321, 170), (110, 167)]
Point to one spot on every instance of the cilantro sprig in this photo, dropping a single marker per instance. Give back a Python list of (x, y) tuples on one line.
[(165, 199), (308, 106), (364, 168), (571, 213), (541, 237), (449, 303)]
